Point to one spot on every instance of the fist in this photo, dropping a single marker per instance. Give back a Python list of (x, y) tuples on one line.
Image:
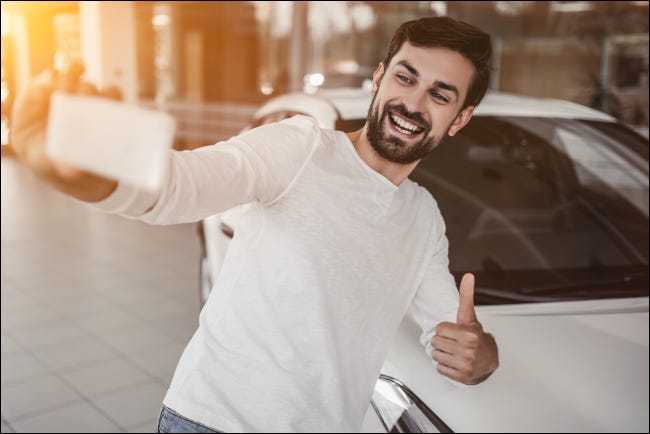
[(30, 115)]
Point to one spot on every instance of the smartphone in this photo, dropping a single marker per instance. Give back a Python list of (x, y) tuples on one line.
[(113, 139)]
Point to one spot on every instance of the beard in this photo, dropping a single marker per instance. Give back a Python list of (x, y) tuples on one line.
[(393, 148)]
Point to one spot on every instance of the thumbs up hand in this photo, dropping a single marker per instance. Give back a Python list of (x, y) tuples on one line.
[(464, 352)]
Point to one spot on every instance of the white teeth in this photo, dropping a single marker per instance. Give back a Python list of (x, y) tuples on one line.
[(409, 127), (403, 131)]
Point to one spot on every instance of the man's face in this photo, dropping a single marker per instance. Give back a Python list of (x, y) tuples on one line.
[(417, 100)]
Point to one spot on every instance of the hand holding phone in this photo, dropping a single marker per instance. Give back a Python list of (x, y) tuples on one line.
[(122, 142)]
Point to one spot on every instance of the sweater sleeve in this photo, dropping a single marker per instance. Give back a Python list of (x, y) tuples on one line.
[(256, 166), (436, 300)]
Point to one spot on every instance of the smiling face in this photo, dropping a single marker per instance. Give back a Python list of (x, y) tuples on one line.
[(417, 100)]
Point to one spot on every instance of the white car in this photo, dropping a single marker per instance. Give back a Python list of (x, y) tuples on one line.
[(546, 202)]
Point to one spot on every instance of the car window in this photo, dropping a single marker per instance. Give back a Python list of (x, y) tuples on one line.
[(622, 134), (542, 209)]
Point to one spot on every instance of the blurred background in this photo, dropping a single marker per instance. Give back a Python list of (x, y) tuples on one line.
[(212, 63)]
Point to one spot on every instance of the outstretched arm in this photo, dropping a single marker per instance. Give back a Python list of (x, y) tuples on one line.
[(256, 166)]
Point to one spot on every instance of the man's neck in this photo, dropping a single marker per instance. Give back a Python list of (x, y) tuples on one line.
[(394, 172)]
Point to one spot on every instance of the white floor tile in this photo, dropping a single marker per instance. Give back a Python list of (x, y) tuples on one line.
[(6, 428), (10, 346), (150, 426), (73, 418), (114, 318), (21, 367), (104, 377), (164, 309), (135, 296), (79, 352), (35, 396), (13, 300), (54, 292), (158, 361), (47, 334), (136, 338), (27, 316), (90, 302), (181, 328), (134, 405), (115, 284)]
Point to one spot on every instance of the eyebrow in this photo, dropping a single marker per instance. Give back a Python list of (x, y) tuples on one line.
[(436, 84)]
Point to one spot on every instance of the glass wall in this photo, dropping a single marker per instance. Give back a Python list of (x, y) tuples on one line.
[(593, 53), (227, 58)]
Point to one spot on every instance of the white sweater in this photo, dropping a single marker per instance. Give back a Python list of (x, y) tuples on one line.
[(322, 268)]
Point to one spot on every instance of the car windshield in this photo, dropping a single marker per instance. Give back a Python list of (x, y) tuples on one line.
[(544, 209)]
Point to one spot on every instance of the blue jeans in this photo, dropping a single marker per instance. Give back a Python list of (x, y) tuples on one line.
[(170, 421)]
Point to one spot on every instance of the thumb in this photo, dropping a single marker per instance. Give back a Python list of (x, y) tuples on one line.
[(69, 75), (466, 313)]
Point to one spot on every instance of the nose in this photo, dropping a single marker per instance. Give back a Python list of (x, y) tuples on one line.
[(415, 101)]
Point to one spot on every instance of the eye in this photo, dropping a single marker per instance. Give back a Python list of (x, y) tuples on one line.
[(438, 96), (404, 79)]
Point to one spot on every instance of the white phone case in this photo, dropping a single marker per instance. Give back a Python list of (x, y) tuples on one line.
[(112, 139)]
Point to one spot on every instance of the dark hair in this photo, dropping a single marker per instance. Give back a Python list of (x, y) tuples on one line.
[(466, 39)]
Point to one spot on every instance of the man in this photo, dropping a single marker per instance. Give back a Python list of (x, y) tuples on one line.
[(337, 246)]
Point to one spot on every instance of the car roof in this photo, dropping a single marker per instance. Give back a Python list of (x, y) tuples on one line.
[(504, 104), (329, 104)]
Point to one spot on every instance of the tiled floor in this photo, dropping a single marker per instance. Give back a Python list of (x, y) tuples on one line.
[(96, 310)]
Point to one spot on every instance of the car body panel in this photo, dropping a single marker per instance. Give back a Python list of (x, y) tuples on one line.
[(515, 105), (315, 107), (594, 380), (354, 103), (326, 106)]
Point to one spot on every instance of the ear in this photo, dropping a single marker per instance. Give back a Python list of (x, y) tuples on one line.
[(376, 77), (461, 120)]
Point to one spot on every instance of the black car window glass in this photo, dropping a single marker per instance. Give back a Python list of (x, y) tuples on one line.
[(541, 209)]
